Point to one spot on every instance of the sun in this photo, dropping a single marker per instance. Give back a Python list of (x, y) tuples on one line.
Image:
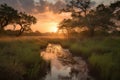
[(54, 29)]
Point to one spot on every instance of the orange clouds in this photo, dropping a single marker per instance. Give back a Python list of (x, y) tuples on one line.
[(48, 21)]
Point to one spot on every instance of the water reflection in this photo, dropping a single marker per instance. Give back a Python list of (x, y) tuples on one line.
[(63, 65)]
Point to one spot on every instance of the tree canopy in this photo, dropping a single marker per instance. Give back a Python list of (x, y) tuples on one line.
[(98, 18), (25, 21), (9, 15)]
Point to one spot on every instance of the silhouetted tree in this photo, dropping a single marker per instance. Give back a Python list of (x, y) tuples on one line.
[(66, 26), (115, 7), (7, 15), (96, 19), (100, 19), (25, 21), (77, 7), (80, 10)]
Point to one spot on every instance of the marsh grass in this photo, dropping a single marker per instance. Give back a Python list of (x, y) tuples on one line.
[(20, 60), (102, 55)]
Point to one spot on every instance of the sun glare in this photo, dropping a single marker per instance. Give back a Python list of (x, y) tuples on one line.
[(54, 29)]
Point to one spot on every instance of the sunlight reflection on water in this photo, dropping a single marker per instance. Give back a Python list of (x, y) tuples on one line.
[(63, 65)]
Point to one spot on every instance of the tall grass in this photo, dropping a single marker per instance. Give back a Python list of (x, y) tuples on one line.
[(20, 60), (103, 56)]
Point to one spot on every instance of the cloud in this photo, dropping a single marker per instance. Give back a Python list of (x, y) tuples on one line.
[(44, 10), (21, 5), (47, 20), (54, 7), (30, 6)]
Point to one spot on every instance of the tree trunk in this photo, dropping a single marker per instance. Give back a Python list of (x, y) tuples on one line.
[(3, 24), (14, 27), (21, 30)]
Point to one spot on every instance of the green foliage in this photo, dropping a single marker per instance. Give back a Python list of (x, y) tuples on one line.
[(103, 55), (107, 65), (20, 60), (104, 63)]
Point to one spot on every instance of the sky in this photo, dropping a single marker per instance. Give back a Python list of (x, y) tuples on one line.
[(46, 11)]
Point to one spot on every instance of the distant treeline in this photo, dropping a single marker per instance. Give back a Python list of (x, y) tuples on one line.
[(88, 20), (10, 16)]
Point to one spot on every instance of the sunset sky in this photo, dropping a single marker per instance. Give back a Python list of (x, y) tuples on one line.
[(46, 11)]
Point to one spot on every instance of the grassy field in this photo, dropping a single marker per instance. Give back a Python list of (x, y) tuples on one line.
[(102, 55), (20, 58)]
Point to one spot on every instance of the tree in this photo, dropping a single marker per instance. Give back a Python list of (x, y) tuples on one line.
[(66, 26), (98, 18), (77, 7), (80, 10), (115, 7), (25, 21), (104, 15), (7, 15)]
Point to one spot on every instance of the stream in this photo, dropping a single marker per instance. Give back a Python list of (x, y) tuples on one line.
[(63, 66)]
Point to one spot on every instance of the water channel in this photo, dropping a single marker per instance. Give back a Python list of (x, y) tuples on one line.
[(63, 66)]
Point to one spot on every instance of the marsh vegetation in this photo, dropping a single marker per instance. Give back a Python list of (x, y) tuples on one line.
[(92, 34)]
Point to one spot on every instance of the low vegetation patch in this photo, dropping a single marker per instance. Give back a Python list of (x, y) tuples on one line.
[(103, 56), (20, 60)]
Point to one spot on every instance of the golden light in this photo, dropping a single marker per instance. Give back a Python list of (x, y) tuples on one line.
[(53, 27), (48, 21)]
